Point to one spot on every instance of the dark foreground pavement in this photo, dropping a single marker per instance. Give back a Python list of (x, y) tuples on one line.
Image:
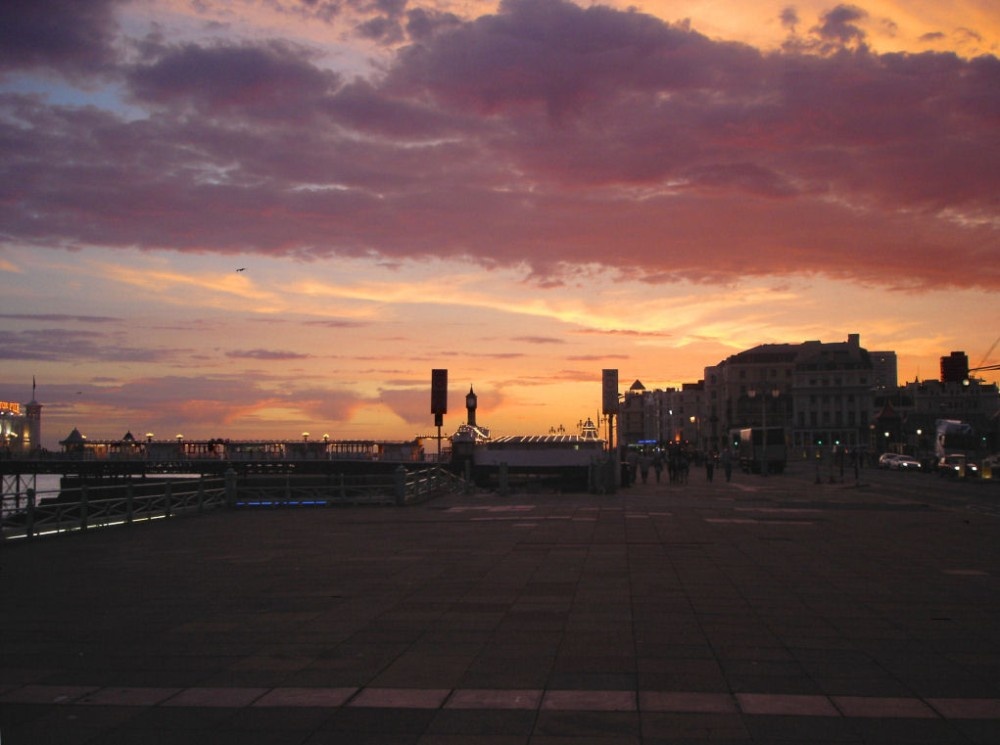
[(766, 610)]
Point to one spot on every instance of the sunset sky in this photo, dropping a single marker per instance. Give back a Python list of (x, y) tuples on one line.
[(523, 193)]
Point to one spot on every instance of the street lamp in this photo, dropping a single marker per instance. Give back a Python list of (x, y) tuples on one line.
[(752, 393)]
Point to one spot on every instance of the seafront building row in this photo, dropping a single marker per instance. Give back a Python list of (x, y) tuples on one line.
[(823, 395)]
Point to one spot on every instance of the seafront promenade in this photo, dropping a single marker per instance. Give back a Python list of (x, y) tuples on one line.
[(764, 610)]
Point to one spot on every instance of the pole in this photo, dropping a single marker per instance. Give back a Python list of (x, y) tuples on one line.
[(763, 434)]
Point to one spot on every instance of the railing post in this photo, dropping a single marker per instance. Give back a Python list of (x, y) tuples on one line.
[(343, 487), (29, 525), (399, 476), (84, 506), (168, 493), (503, 480), (201, 495), (230, 487), (129, 502)]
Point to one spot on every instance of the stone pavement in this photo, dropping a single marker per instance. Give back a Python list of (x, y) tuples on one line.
[(765, 610)]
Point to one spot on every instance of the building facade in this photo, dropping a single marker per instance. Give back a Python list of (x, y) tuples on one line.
[(21, 426), (821, 394)]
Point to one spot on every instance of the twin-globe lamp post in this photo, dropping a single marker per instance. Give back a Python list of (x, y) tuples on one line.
[(753, 393)]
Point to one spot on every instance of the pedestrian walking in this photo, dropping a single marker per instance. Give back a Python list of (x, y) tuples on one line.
[(644, 462), (727, 463)]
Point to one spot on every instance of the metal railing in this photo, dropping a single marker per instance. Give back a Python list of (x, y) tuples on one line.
[(400, 487), (30, 514)]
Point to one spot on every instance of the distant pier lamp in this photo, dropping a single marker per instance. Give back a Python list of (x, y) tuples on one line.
[(326, 438), (305, 437), (149, 437)]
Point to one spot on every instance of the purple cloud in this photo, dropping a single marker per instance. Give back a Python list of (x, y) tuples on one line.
[(266, 355), (73, 38), (570, 136)]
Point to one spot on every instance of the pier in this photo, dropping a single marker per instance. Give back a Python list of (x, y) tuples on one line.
[(760, 610)]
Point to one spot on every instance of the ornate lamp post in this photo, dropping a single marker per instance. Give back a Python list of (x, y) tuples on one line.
[(752, 393)]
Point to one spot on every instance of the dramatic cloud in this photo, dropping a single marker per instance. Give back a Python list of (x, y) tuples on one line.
[(73, 345), (73, 38), (567, 135)]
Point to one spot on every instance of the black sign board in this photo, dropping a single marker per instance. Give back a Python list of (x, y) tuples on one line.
[(439, 392)]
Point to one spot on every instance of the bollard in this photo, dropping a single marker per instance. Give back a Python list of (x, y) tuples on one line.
[(399, 484), (230, 487), (84, 506), (201, 494), (129, 502), (29, 525), (168, 494)]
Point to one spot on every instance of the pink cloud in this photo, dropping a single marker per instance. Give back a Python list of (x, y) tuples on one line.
[(565, 135)]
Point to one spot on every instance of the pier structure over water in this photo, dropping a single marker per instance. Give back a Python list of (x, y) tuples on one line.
[(180, 448)]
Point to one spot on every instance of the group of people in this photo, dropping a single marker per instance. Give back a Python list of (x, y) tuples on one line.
[(677, 460)]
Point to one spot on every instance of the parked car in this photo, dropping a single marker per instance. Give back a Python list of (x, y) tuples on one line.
[(904, 463), (885, 460)]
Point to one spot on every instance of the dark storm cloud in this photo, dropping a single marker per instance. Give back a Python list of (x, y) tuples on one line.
[(270, 79), (840, 25), (68, 36), (569, 136)]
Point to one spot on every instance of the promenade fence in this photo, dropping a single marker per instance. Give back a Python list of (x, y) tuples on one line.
[(31, 515)]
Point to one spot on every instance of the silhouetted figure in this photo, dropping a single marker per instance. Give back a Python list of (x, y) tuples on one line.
[(658, 465), (683, 464), (644, 463), (710, 466), (727, 463)]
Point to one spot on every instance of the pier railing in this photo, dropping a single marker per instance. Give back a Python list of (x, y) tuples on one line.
[(30, 515), (400, 487), (85, 508)]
